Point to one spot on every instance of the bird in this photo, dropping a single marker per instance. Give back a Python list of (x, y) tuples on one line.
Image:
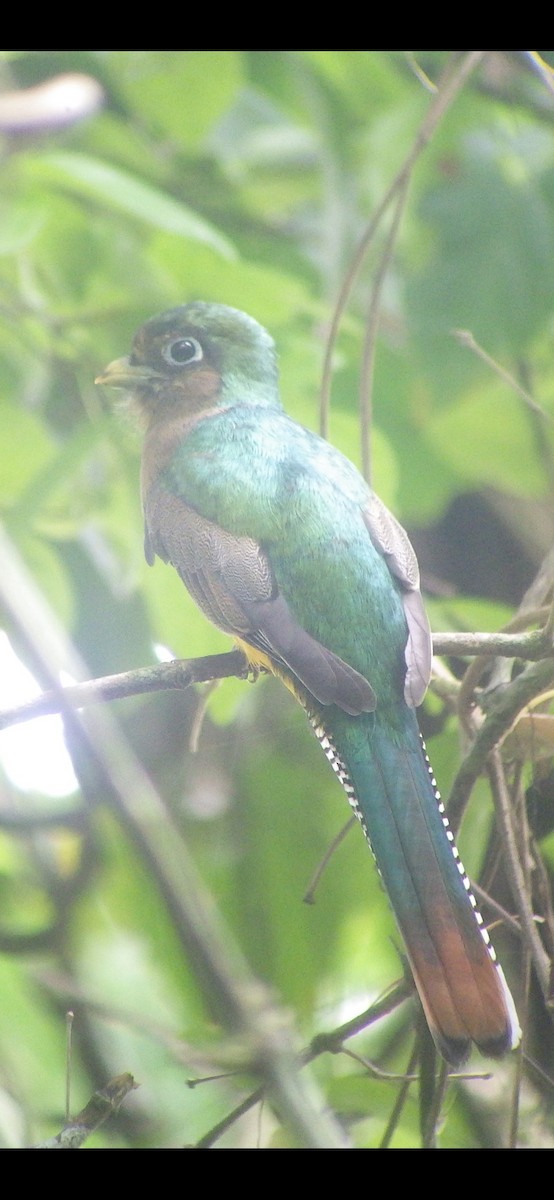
[(285, 547)]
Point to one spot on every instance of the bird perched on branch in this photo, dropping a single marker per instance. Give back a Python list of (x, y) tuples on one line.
[(284, 546)]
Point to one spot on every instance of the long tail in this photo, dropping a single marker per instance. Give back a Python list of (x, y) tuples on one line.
[(390, 785)]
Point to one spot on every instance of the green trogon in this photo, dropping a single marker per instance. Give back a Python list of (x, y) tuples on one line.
[(285, 547)]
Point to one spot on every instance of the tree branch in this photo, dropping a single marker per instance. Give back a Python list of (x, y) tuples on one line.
[(103, 1104), (179, 674), (182, 673)]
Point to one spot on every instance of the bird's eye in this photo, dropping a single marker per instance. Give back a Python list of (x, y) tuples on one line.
[(182, 351)]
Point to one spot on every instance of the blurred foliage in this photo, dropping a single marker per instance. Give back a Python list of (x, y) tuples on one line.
[(249, 178)]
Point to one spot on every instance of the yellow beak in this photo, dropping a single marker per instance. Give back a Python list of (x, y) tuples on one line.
[(121, 374)]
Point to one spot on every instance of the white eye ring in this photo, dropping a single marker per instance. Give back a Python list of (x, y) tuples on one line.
[(182, 351)]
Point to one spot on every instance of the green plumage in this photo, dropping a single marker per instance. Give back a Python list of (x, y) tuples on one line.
[(285, 547), (303, 503)]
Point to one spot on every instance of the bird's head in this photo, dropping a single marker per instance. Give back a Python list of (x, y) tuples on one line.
[(198, 356)]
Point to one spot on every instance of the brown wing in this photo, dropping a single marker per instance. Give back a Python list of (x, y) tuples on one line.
[(392, 541), (232, 582)]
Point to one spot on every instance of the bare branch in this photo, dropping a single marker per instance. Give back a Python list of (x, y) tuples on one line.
[(531, 646), (103, 1104), (179, 674), (183, 673)]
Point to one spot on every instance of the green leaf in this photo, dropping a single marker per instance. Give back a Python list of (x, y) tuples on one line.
[(126, 194)]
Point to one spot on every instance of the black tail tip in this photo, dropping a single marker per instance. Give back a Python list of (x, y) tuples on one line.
[(497, 1047), (456, 1051)]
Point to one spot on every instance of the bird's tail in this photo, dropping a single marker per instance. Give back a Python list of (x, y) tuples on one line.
[(390, 785)]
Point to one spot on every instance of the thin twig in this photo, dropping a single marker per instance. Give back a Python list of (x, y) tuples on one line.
[(400, 1101), (501, 914), (376, 1072), (511, 842), (322, 1043), (466, 338), (432, 1116), (451, 83), (465, 706), (372, 328), (419, 73), (200, 714), (309, 895)]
